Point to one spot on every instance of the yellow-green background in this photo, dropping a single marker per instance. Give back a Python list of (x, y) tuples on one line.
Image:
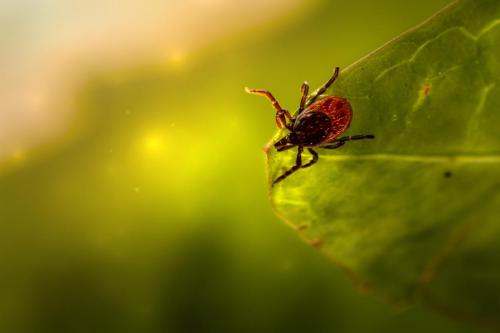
[(151, 213)]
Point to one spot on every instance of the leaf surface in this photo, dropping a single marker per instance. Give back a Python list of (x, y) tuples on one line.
[(414, 215)]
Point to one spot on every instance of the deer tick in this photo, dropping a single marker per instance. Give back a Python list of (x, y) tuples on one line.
[(316, 124)]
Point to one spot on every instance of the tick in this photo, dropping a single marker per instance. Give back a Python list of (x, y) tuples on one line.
[(316, 124)]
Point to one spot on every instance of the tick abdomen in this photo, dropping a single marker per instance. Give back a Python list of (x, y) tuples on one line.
[(339, 112)]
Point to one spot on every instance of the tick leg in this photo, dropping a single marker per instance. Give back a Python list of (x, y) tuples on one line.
[(314, 159), (281, 115), (282, 148), (266, 94), (335, 145), (356, 137), (298, 164), (324, 88), (305, 93), (340, 142)]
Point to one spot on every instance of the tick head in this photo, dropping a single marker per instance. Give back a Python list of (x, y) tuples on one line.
[(288, 141), (281, 143)]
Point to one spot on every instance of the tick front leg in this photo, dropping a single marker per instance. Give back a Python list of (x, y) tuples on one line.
[(281, 114), (297, 166), (286, 147), (325, 87), (305, 93), (340, 142)]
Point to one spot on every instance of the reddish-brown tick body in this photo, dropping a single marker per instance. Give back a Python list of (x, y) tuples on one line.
[(315, 124), (322, 122)]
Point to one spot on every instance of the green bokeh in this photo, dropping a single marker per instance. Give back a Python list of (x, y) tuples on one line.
[(152, 214)]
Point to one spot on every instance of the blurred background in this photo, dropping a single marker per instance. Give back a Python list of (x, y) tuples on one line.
[(133, 194)]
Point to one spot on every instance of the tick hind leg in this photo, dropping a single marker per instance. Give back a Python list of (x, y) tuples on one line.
[(298, 164), (340, 142), (325, 87)]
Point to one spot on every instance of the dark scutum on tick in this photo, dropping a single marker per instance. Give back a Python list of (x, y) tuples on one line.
[(315, 124)]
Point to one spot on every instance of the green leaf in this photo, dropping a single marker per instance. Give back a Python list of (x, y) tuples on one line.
[(414, 215)]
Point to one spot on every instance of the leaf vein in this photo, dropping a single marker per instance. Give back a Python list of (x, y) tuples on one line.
[(476, 116), (463, 30)]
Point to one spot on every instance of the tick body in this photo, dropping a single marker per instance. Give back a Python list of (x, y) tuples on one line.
[(316, 124), (322, 122)]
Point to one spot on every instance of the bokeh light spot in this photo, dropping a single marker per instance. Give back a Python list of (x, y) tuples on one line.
[(18, 155), (154, 144)]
